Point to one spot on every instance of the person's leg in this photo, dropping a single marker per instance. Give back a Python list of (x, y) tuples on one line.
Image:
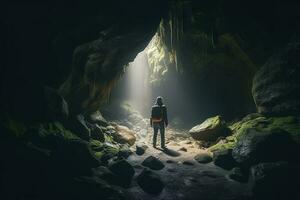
[(162, 136), (155, 130)]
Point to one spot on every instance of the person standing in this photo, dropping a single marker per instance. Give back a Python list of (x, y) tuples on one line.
[(159, 120)]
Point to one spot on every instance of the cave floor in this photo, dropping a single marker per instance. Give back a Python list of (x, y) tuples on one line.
[(183, 176)]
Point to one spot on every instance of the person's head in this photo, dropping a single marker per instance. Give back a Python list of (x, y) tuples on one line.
[(159, 101)]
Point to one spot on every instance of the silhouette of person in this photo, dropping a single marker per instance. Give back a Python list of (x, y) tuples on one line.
[(158, 120)]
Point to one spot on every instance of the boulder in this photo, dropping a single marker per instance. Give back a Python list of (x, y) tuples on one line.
[(211, 129), (150, 182), (276, 86), (265, 146), (203, 158), (124, 135), (140, 149), (223, 158), (275, 180), (123, 170), (153, 163)]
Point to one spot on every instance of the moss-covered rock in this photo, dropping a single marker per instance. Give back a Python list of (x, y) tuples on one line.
[(290, 124), (210, 129)]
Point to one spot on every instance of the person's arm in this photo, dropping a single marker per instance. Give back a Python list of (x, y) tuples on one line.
[(166, 117), (151, 117)]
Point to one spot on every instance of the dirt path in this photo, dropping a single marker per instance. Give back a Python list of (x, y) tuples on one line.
[(183, 176)]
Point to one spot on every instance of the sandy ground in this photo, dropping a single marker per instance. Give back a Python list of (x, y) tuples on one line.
[(184, 177)]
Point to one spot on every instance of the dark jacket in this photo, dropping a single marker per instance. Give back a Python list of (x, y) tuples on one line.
[(160, 111)]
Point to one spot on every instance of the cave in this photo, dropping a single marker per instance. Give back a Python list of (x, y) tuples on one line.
[(150, 99)]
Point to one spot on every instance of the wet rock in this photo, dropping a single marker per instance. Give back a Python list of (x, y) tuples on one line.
[(104, 173), (275, 180), (238, 174), (211, 129), (141, 148), (123, 170), (153, 163), (274, 83), (203, 158), (264, 146), (124, 135), (224, 159), (170, 161), (150, 182)]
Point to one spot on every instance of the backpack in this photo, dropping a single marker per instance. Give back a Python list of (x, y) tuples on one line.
[(157, 114)]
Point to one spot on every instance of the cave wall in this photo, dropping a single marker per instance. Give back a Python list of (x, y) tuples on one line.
[(219, 45), (76, 46)]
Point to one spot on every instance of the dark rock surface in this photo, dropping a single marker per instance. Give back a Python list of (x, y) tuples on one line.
[(123, 170), (257, 146), (150, 182), (224, 159), (140, 149), (275, 180), (203, 158), (238, 174), (276, 86), (153, 163)]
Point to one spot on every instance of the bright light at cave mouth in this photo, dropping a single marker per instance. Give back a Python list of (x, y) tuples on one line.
[(139, 89)]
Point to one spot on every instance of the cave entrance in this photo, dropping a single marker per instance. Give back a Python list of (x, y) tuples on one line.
[(153, 73)]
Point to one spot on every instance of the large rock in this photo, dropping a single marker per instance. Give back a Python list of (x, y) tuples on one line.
[(276, 86), (258, 146), (97, 133), (124, 135), (275, 180), (153, 163), (150, 182), (123, 170), (211, 129)]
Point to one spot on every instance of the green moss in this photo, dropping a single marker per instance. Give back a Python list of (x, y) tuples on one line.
[(260, 123), (17, 128), (57, 129)]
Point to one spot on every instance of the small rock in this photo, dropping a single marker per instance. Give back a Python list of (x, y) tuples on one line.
[(203, 158), (125, 151), (153, 163), (183, 149), (187, 162), (123, 170), (150, 182), (170, 161), (140, 149)]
